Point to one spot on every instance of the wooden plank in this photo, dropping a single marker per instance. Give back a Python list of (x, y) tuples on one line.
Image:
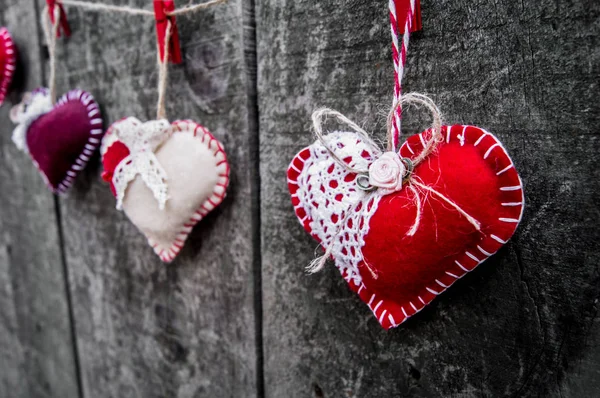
[(144, 328), (37, 358), (524, 322)]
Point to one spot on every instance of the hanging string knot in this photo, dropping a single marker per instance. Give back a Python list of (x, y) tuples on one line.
[(142, 140)]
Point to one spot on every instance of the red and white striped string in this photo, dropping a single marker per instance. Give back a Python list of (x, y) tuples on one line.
[(399, 56)]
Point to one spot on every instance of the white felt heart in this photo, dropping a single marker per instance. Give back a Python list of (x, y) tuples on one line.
[(196, 175)]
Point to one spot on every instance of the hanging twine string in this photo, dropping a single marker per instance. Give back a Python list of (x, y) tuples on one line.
[(163, 74), (50, 32), (399, 57), (51, 29), (139, 11)]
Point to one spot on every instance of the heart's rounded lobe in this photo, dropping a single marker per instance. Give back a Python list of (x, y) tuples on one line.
[(62, 141), (409, 267)]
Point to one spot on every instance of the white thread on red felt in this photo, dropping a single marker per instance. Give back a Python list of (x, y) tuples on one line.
[(461, 266), (490, 149), (480, 139), (470, 255), (508, 204), (440, 283), (484, 251), (497, 239), (430, 290), (511, 188), (510, 166), (382, 316), (504, 219)]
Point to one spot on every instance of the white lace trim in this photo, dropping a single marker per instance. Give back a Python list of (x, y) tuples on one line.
[(24, 114), (142, 140), (326, 191)]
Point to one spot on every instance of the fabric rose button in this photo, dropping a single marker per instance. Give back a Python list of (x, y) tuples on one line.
[(387, 172)]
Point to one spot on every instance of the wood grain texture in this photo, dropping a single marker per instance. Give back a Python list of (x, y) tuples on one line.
[(147, 329), (36, 353), (525, 322)]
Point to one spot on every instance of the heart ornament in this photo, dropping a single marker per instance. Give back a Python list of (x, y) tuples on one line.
[(165, 176), (8, 62), (404, 233), (60, 138)]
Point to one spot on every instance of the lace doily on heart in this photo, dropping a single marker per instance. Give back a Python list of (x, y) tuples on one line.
[(323, 189), (142, 139)]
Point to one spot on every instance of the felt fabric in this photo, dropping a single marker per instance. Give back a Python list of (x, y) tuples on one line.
[(197, 179), (111, 159), (400, 274), (8, 62), (62, 140)]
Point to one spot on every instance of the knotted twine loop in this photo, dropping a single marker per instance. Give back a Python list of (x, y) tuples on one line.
[(412, 184), (142, 139)]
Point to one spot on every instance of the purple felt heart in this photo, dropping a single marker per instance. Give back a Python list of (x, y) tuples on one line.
[(61, 139)]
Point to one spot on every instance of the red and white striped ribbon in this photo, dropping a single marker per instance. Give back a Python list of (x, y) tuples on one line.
[(402, 13)]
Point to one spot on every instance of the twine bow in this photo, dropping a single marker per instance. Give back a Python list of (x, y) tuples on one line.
[(142, 139), (389, 172)]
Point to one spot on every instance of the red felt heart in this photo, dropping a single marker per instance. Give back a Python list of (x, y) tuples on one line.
[(8, 61), (394, 273), (61, 138)]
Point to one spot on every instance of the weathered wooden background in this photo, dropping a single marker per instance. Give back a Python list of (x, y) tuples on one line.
[(87, 310)]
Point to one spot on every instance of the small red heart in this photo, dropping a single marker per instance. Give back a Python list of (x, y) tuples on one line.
[(60, 138), (8, 62), (397, 275)]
